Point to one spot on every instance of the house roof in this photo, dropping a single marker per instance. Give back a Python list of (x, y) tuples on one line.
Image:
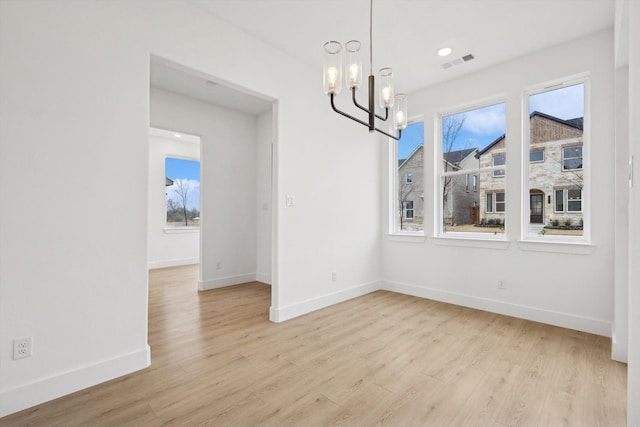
[(576, 123), (455, 157), (403, 161), (168, 182)]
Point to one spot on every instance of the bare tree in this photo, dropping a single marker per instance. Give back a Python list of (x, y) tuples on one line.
[(451, 126), (405, 190), (181, 189)]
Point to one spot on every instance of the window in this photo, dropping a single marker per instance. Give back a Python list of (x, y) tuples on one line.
[(409, 181), (182, 190), (555, 141), (409, 178), (574, 200), (536, 156), (408, 209), (495, 202), (499, 160), (472, 171), (559, 201), (500, 202), (473, 179), (572, 157)]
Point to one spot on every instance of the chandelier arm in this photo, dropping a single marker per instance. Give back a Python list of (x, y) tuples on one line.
[(333, 106), (366, 110), (355, 119), (397, 138)]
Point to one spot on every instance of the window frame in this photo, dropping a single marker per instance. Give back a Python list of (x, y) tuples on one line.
[(440, 174), (408, 178), (173, 229), (499, 173), (408, 209), (572, 145), (584, 140), (537, 150)]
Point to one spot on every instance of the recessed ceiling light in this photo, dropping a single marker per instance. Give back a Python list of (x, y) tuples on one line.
[(445, 51), (177, 135)]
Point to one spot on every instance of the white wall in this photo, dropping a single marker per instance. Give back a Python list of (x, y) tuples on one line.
[(228, 169), (74, 119), (263, 197), (572, 289), (168, 247)]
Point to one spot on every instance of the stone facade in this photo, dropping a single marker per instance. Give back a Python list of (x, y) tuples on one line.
[(555, 181), (411, 192)]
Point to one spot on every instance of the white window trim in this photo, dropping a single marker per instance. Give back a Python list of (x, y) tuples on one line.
[(550, 241), (471, 239)]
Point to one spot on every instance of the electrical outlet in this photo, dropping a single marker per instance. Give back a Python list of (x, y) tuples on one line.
[(22, 348), (502, 284), (334, 276)]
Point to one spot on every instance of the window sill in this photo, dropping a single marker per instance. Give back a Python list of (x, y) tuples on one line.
[(562, 246), (406, 237), (472, 240), (181, 230)]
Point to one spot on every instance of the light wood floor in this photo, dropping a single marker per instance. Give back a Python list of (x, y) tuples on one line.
[(382, 359)]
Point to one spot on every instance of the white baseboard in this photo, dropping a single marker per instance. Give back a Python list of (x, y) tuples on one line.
[(565, 320), (221, 282), (50, 388), (172, 263), (280, 314), (264, 278), (619, 349)]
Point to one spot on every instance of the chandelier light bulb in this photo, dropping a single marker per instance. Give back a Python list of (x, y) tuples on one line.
[(386, 93), (353, 69), (332, 75)]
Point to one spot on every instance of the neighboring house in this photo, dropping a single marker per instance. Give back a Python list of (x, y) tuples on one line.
[(461, 193), (555, 172), (411, 190)]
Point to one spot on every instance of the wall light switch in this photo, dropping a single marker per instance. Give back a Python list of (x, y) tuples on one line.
[(291, 200)]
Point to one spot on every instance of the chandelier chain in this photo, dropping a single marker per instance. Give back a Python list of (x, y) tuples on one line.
[(371, 37)]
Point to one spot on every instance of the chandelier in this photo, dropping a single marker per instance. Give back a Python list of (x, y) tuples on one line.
[(332, 82)]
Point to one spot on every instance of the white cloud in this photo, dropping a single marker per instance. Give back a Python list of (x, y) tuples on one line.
[(486, 121), (565, 103)]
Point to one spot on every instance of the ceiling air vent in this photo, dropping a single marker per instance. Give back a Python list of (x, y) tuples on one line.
[(458, 61)]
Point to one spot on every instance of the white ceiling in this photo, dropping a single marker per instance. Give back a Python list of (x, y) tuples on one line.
[(406, 36), (407, 33)]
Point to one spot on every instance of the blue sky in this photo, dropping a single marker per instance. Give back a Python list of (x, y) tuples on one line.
[(484, 125), (182, 169)]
